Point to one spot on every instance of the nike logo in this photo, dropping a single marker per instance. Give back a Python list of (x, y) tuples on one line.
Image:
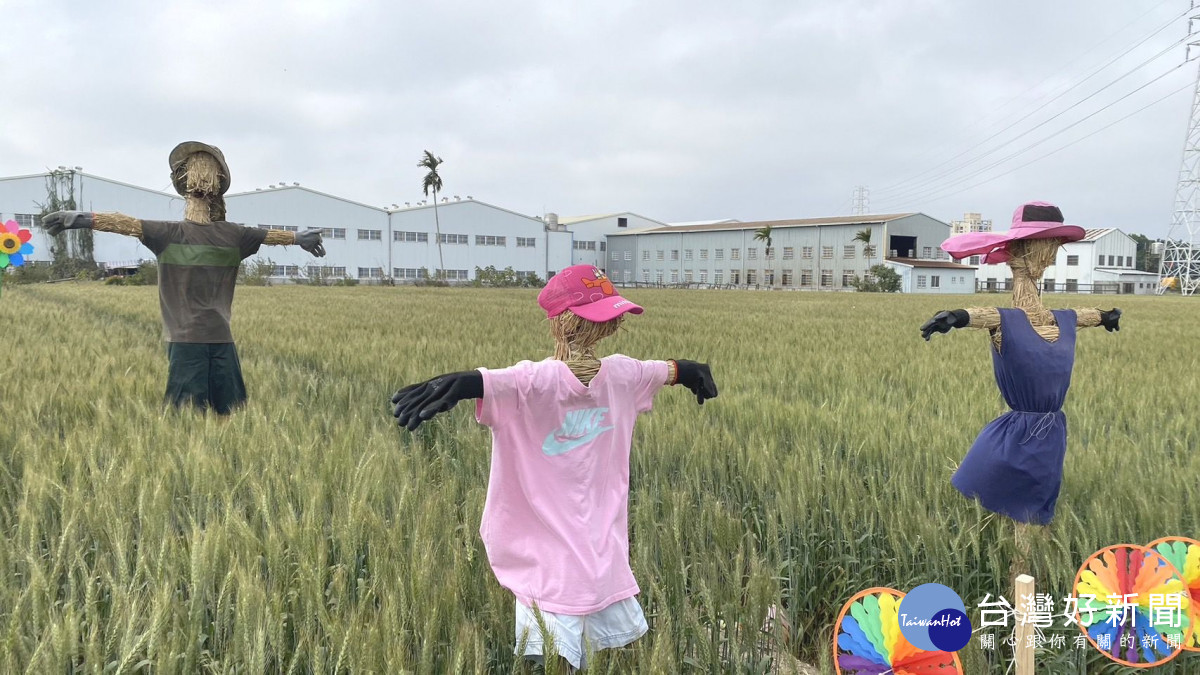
[(578, 428)]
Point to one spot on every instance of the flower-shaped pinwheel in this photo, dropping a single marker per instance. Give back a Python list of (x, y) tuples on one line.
[(14, 245)]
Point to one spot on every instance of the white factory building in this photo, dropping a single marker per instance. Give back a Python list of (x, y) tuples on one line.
[(1101, 262), (370, 243), (591, 233), (361, 241), (805, 254)]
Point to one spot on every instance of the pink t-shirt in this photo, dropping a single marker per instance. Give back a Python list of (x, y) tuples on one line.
[(556, 520)]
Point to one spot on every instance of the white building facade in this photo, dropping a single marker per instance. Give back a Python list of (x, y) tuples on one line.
[(21, 198), (1101, 262), (591, 234), (933, 276), (361, 241), (971, 222), (805, 254), (369, 243)]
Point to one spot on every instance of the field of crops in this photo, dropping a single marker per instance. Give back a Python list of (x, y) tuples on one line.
[(308, 534)]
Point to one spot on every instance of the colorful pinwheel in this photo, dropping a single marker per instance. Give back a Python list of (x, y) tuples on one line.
[(867, 640), (14, 245), (1184, 554), (1133, 605)]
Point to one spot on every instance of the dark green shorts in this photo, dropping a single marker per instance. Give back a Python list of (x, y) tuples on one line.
[(205, 375)]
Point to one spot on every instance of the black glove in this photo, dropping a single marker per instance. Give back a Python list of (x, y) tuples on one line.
[(942, 322), (698, 378), (310, 240), (1110, 318), (418, 402), (58, 221)]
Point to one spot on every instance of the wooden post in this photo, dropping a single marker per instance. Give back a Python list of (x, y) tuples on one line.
[(1023, 653)]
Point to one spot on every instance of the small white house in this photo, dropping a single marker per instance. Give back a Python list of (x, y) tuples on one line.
[(932, 276), (1101, 262)]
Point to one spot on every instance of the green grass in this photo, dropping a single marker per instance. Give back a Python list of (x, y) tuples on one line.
[(308, 534)]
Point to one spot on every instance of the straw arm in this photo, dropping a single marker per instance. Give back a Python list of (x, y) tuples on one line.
[(280, 238), (984, 317), (118, 223), (1087, 318), (309, 240)]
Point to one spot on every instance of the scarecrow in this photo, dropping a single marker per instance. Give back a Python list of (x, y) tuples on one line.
[(1015, 466), (198, 261), (555, 522)]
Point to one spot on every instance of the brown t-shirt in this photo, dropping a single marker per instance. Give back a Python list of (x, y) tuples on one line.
[(197, 269)]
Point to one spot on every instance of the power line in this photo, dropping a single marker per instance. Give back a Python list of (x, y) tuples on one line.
[(1086, 52), (994, 114), (896, 186), (1063, 147), (993, 165), (929, 184)]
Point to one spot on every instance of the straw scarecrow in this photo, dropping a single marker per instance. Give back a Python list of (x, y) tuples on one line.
[(555, 522), (198, 261), (1015, 466)]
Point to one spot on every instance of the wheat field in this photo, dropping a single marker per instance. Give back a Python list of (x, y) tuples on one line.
[(306, 534)]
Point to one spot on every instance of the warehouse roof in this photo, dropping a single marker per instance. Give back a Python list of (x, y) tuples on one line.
[(934, 264), (575, 220), (800, 222), (1094, 234)]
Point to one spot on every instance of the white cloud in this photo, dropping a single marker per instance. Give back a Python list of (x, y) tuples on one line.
[(677, 110)]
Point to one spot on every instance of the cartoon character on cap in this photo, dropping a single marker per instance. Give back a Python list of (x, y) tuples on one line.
[(562, 430), (198, 260), (1015, 465)]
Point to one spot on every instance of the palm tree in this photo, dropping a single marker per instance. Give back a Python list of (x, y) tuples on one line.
[(434, 182), (763, 234), (864, 235)]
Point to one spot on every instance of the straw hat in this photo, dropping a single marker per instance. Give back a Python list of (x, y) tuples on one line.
[(179, 157), (1033, 220)]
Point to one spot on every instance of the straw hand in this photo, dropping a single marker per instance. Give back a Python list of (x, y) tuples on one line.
[(943, 321), (419, 402), (310, 240), (1110, 318), (698, 378), (55, 223)]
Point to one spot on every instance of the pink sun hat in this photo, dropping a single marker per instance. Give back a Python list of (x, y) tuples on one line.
[(587, 292), (1032, 220)]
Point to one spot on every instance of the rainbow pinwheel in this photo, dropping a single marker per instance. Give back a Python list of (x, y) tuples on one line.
[(1184, 554), (1133, 605), (14, 245), (867, 640)]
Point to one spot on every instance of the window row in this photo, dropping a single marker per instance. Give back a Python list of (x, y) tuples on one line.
[(462, 239), (935, 280), (769, 253), (768, 277), (589, 245), (377, 235)]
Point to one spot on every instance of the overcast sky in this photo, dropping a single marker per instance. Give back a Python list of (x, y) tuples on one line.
[(674, 110)]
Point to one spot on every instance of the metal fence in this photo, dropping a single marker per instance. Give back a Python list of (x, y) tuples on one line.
[(1103, 288), (727, 287)]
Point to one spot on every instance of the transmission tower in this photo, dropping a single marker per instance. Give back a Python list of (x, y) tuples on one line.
[(862, 200), (1181, 255)]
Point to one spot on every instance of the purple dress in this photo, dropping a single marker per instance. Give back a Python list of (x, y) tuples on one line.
[(1015, 466)]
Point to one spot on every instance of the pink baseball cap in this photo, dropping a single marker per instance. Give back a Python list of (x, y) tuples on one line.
[(587, 292)]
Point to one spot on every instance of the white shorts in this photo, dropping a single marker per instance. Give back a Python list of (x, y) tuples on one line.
[(614, 626)]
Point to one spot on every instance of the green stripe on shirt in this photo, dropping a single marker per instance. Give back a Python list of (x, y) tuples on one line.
[(200, 254)]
